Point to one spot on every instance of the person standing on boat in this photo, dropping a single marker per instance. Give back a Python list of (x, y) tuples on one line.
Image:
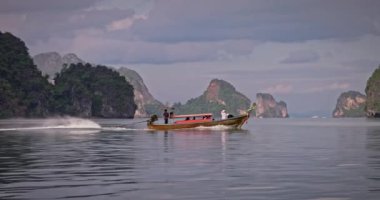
[(166, 116), (224, 114)]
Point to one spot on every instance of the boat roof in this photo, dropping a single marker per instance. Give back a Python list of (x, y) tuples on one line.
[(192, 115)]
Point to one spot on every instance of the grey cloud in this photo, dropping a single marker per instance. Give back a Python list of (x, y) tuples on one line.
[(306, 56), (362, 65), (20, 6), (44, 25), (210, 20), (178, 22), (292, 20), (163, 53), (292, 74)]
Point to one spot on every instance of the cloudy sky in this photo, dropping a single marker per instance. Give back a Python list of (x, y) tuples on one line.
[(305, 52)]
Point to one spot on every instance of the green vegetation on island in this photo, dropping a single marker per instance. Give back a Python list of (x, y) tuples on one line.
[(52, 62), (93, 91), (79, 90), (350, 104), (24, 92), (268, 107), (372, 91), (220, 95)]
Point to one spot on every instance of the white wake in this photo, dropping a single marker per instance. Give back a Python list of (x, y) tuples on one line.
[(71, 122), (59, 123), (218, 127)]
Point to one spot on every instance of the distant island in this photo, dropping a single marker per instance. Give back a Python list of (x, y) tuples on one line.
[(350, 104), (54, 85), (267, 107), (355, 104), (219, 95), (372, 91), (147, 105), (51, 63), (222, 95)]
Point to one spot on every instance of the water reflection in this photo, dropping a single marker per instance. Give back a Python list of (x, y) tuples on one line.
[(373, 156), (268, 160), (373, 140), (55, 161)]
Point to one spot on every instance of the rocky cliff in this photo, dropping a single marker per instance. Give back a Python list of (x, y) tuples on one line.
[(93, 91), (219, 95), (350, 104), (267, 107), (146, 103), (79, 90), (372, 91), (24, 92), (51, 63)]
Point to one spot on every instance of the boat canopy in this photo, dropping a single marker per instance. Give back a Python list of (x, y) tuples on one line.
[(193, 115)]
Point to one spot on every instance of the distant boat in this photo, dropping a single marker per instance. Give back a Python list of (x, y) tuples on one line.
[(200, 120)]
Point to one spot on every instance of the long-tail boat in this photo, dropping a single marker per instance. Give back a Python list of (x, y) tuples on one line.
[(200, 120)]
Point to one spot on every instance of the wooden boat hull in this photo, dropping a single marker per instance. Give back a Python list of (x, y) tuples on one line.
[(235, 122)]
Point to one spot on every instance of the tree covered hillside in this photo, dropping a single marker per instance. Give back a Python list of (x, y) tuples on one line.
[(24, 92), (373, 94), (87, 91), (220, 95), (350, 104), (79, 90)]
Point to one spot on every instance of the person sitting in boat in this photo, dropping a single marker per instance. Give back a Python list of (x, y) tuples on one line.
[(224, 114), (166, 116)]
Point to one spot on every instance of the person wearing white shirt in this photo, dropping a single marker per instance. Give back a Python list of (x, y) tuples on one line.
[(224, 114)]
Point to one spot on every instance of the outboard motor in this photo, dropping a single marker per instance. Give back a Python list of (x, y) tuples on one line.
[(153, 118)]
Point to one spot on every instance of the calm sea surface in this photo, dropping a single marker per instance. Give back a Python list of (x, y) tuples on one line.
[(68, 158)]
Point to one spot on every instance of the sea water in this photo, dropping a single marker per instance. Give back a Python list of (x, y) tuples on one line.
[(72, 158)]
